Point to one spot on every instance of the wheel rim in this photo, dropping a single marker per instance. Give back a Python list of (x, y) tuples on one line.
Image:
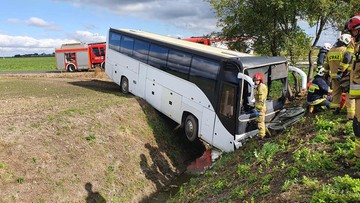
[(124, 85), (189, 129)]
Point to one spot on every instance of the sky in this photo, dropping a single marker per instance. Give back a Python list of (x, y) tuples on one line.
[(40, 26)]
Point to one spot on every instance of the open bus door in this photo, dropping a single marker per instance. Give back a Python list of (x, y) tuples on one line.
[(278, 116)]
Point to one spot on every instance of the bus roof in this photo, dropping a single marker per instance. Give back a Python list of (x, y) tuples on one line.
[(185, 44), (258, 61)]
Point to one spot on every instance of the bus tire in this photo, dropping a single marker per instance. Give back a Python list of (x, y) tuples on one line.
[(124, 84), (191, 128), (71, 68)]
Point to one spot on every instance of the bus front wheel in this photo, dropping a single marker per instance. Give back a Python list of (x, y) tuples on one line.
[(191, 128), (124, 84)]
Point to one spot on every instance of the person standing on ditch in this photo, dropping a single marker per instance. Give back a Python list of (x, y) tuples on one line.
[(260, 95), (322, 56), (354, 29), (337, 64)]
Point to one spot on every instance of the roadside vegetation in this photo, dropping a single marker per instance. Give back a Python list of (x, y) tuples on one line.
[(27, 64), (313, 161)]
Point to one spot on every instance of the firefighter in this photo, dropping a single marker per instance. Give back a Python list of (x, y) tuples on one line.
[(322, 56), (260, 95), (337, 65), (318, 94), (354, 29)]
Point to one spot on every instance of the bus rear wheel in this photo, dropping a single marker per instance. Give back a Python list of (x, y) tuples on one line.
[(71, 68), (124, 84), (191, 128)]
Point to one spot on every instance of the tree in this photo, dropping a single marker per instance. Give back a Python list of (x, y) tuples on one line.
[(272, 23), (327, 14)]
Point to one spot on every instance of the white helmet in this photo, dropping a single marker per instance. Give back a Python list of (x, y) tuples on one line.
[(346, 38), (327, 46), (321, 72)]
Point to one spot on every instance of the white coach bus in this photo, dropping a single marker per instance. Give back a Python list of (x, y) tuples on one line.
[(206, 89)]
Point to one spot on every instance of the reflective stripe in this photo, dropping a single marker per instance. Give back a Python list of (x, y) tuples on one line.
[(345, 65), (351, 50), (313, 87), (354, 90), (316, 102), (333, 105), (333, 75), (350, 110)]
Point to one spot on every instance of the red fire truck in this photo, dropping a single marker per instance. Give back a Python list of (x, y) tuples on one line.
[(80, 56), (220, 42)]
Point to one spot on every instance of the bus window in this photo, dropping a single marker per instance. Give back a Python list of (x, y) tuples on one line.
[(179, 64), (114, 41), (127, 44), (204, 73), (141, 50), (227, 103), (158, 56)]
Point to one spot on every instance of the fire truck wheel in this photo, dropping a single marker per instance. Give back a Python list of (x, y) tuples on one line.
[(191, 128), (124, 85), (71, 68)]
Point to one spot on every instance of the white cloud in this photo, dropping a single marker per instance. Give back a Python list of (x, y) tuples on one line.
[(193, 16), (87, 37), (12, 45), (37, 22)]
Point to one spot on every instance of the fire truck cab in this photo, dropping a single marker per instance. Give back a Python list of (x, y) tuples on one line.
[(80, 56)]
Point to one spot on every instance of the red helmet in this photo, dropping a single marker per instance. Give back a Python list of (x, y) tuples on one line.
[(354, 23), (258, 76)]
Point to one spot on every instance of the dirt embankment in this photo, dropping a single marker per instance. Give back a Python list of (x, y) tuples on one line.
[(73, 137)]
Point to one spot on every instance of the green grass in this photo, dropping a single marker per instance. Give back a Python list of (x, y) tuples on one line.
[(27, 64)]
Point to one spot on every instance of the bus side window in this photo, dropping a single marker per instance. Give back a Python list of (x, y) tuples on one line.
[(141, 50), (127, 44), (114, 41), (179, 64), (158, 56), (227, 103)]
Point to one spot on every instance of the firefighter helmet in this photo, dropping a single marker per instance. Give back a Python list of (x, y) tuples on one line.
[(321, 72), (327, 46), (345, 38), (258, 76), (354, 23)]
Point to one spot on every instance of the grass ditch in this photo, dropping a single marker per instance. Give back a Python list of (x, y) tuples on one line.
[(313, 161)]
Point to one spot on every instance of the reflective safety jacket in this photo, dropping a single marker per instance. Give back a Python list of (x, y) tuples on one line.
[(260, 95), (318, 90), (355, 74), (338, 60)]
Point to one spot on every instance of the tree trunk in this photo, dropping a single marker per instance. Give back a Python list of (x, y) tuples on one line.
[(296, 83), (311, 66)]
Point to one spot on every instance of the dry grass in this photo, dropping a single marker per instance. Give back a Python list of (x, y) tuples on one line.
[(61, 131)]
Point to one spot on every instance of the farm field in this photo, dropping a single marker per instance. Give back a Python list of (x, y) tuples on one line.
[(73, 137), (27, 64)]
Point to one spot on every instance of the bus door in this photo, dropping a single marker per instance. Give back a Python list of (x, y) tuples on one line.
[(228, 96)]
